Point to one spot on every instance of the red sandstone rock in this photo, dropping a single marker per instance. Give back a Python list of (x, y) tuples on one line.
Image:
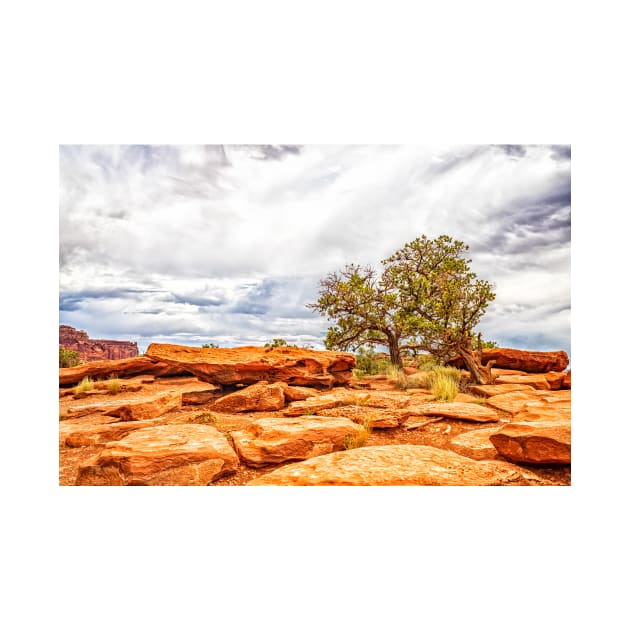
[(121, 368), (292, 394), (495, 390), (397, 465), (458, 411), (525, 360), (535, 442), (167, 455), (275, 440), (555, 379), (95, 349), (147, 409), (538, 381), (249, 364), (513, 402), (476, 444), (258, 397), (378, 418), (566, 383)]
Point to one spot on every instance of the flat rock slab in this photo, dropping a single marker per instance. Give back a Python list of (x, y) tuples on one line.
[(120, 368), (250, 364), (512, 402), (291, 394), (147, 409), (167, 455), (258, 397), (276, 440), (458, 411), (378, 418), (496, 390), (476, 444), (549, 411), (397, 465), (100, 433), (537, 381), (534, 442)]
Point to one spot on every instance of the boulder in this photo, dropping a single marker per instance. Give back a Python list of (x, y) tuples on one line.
[(99, 433), (200, 397), (121, 368), (458, 411), (475, 444), (166, 455), (249, 364), (512, 402), (397, 465), (258, 397), (291, 394), (544, 410), (325, 401), (524, 360), (566, 383), (537, 381), (534, 442), (555, 379), (147, 408), (274, 440)]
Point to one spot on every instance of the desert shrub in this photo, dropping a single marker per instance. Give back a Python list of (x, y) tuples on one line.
[(443, 382), (361, 438), (209, 345), (113, 385), (204, 418), (68, 358), (425, 361), (85, 385), (371, 362)]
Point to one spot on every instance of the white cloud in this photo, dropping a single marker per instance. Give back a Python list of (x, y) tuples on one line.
[(227, 243)]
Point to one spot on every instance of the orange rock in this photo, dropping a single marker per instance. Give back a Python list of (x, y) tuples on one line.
[(538, 381), (495, 390), (258, 397), (566, 383), (535, 442), (397, 465), (325, 401), (458, 411), (292, 394), (120, 368), (275, 440), (148, 408), (90, 435), (514, 401), (249, 364), (166, 455), (476, 444), (555, 379), (525, 360), (379, 418)]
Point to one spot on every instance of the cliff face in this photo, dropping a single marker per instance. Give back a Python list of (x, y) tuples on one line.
[(95, 349)]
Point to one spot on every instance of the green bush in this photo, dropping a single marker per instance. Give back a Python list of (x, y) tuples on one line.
[(68, 358), (370, 362)]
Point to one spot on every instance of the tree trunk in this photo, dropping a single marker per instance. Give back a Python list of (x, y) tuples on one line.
[(480, 374), (394, 352)]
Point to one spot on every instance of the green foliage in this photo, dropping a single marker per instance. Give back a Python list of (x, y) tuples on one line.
[(86, 385), (68, 358), (371, 362), (209, 345), (426, 298), (489, 344), (278, 342)]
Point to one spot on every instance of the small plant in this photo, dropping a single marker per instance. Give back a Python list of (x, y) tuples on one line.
[(362, 437), (205, 417), (209, 345), (113, 386), (425, 361), (369, 362), (480, 400), (86, 385), (278, 342), (68, 358), (445, 383)]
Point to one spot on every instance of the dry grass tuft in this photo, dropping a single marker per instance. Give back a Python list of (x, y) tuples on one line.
[(86, 385), (362, 437)]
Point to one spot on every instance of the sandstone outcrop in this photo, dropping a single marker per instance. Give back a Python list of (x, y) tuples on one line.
[(525, 360), (95, 349), (121, 368), (534, 442), (458, 411), (378, 418), (249, 364), (258, 397), (167, 455), (537, 381), (496, 390), (275, 440), (396, 465), (147, 409), (476, 444)]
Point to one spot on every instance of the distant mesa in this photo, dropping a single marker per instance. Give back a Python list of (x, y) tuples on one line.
[(95, 349)]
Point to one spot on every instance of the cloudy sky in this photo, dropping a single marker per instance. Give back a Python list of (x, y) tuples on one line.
[(226, 244)]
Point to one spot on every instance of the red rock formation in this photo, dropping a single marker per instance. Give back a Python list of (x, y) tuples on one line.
[(525, 360), (250, 364), (95, 349)]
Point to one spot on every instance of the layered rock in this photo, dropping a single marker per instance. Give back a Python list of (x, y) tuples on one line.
[(167, 455), (458, 411), (95, 349), (537, 381), (534, 442), (397, 465), (249, 364), (258, 397), (147, 409), (275, 440), (525, 360), (121, 368), (476, 444)]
